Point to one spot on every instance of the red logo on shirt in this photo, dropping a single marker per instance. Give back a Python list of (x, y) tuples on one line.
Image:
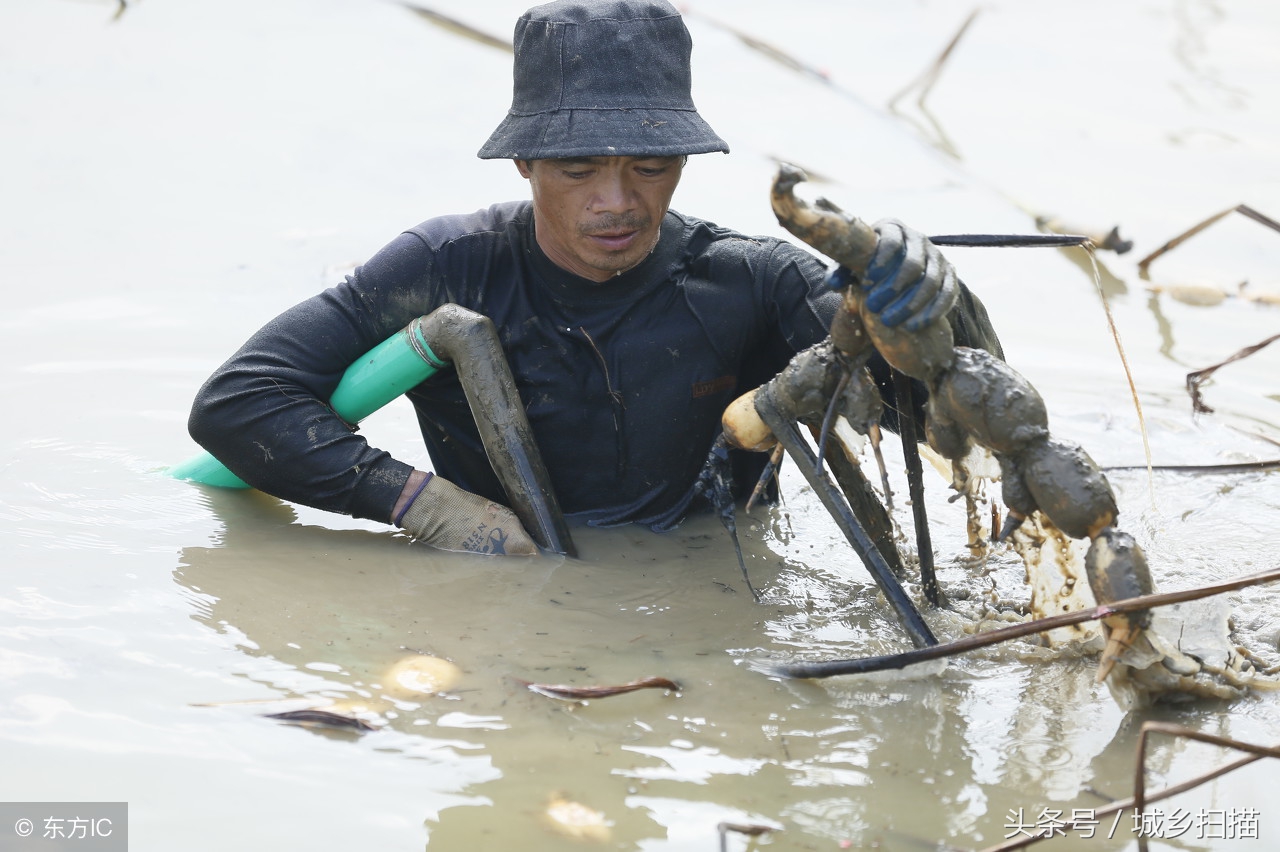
[(723, 383)]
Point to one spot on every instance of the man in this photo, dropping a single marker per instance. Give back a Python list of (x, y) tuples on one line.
[(628, 327)]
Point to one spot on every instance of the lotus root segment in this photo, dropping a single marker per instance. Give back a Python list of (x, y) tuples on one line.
[(807, 384), (860, 402), (1117, 569), (974, 397), (1016, 495), (1068, 487), (922, 354), (946, 436), (848, 331), (846, 240), (991, 401)]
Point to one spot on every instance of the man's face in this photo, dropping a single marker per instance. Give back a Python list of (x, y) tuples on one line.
[(599, 216)]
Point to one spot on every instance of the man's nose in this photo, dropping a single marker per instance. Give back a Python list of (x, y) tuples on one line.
[(613, 194)]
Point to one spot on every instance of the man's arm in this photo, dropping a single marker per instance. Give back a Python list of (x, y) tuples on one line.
[(264, 413)]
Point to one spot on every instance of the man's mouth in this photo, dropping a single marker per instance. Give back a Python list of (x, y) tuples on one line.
[(614, 240)]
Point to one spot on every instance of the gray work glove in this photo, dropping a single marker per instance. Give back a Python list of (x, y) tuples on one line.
[(444, 516), (908, 281)]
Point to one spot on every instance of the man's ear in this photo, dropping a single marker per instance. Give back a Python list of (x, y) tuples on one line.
[(522, 166)]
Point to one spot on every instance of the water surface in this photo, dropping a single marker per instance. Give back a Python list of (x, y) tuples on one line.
[(179, 175)]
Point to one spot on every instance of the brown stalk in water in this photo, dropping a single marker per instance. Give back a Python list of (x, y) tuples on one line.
[(1243, 209), (930, 76), (582, 693), (322, 719), (770, 472), (1258, 435), (831, 668), (924, 84), (874, 436), (453, 25), (1196, 378), (1128, 374), (749, 830), (828, 419), (1231, 467), (1140, 800)]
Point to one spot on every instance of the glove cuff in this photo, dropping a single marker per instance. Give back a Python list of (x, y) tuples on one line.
[(449, 518), (400, 517)]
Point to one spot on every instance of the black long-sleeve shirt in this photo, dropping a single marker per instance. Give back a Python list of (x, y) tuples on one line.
[(624, 382)]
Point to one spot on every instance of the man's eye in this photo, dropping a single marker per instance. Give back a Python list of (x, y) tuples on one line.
[(576, 174)]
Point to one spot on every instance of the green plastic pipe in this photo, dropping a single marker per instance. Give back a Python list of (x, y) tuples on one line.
[(380, 375)]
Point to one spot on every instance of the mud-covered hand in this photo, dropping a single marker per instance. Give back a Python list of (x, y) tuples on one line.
[(444, 516), (908, 281)]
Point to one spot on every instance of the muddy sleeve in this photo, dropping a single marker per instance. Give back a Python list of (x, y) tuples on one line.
[(264, 413), (971, 326), (797, 310)]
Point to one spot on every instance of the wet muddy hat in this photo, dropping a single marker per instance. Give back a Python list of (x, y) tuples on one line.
[(601, 79)]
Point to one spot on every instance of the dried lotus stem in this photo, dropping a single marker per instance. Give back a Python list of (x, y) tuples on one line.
[(1196, 378), (831, 668), (1242, 209), (457, 27), (569, 692)]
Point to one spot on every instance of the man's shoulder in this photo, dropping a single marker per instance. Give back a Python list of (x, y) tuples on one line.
[(496, 223), (719, 245), (704, 235)]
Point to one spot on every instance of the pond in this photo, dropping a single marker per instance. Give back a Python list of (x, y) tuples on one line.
[(179, 172)]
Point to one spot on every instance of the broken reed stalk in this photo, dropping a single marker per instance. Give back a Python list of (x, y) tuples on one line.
[(1140, 771), (831, 668), (1140, 800), (322, 719), (1243, 209), (1125, 804), (742, 566), (749, 830), (828, 419), (1260, 218), (1230, 467), (873, 435), (787, 60), (569, 692), (1258, 435), (1197, 377), (454, 25), (1128, 374), (770, 471), (930, 76)]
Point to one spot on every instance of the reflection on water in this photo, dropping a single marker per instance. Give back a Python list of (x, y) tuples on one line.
[(171, 201)]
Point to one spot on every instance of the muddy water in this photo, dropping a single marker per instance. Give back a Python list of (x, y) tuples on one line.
[(174, 178)]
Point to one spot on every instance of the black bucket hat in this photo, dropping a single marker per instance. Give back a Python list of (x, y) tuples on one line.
[(608, 78)]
